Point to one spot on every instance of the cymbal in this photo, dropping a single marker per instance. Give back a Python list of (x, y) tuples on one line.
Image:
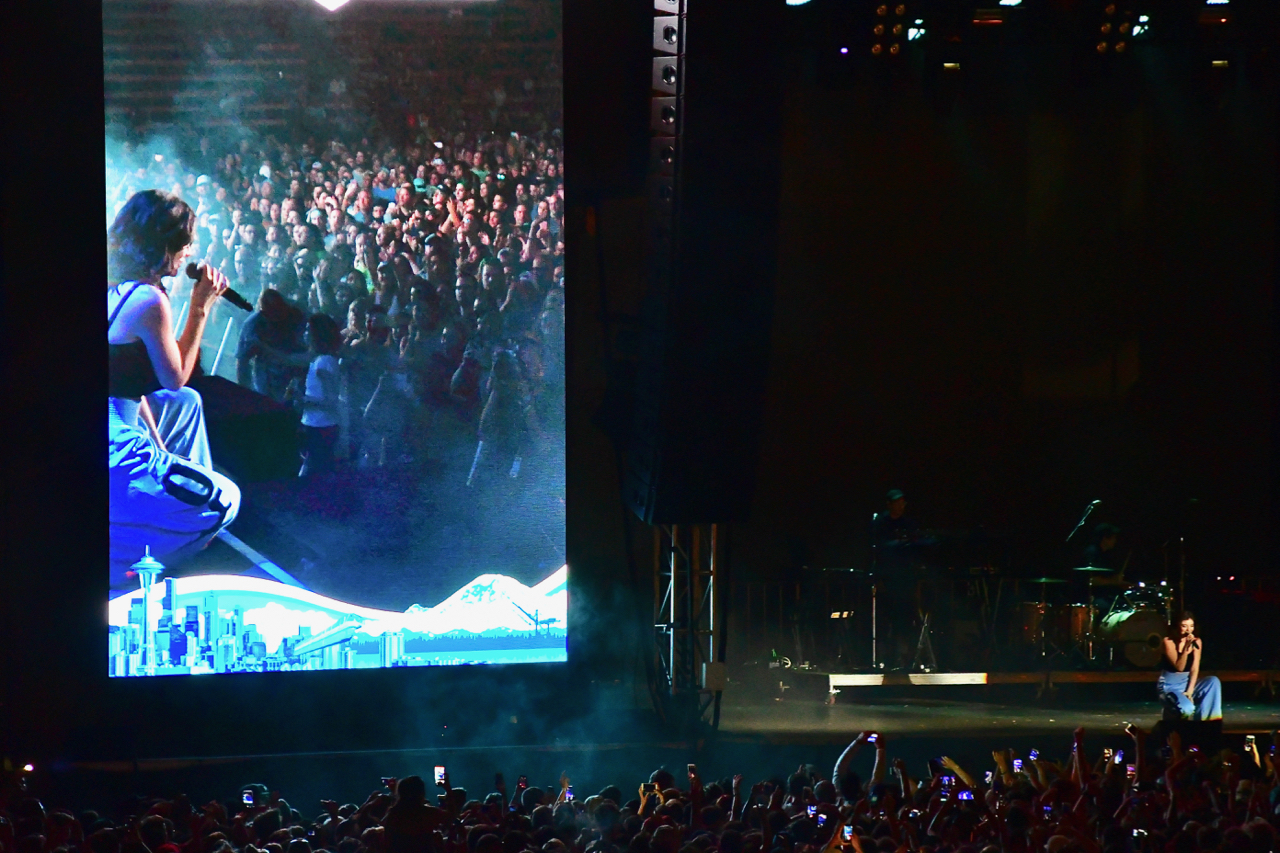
[(1093, 569), (1044, 580)]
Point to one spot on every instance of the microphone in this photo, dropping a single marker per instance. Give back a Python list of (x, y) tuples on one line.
[(193, 272), (1088, 510)]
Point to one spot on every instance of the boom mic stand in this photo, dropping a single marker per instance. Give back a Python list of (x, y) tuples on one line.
[(1088, 511)]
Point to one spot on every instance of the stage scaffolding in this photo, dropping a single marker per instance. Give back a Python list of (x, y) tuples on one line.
[(688, 616)]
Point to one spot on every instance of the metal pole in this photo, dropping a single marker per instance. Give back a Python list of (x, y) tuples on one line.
[(1182, 573), (693, 605), (674, 612), (344, 415), (1090, 612), (218, 357), (873, 624), (182, 312), (658, 601), (713, 627)]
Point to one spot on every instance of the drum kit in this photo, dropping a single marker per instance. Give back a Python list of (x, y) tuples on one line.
[(1129, 631)]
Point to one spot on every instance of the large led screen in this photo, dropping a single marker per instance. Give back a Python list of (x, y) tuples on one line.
[(341, 443)]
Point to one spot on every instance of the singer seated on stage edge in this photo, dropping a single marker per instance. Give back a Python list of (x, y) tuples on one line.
[(164, 496), (1180, 686)]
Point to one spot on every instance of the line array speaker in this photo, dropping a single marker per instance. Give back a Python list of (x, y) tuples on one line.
[(711, 240)]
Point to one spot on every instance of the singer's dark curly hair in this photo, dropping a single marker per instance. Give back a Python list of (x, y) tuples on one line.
[(1175, 627), (151, 228)]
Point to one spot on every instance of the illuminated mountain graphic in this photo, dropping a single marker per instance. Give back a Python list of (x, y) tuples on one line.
[(219, 623)]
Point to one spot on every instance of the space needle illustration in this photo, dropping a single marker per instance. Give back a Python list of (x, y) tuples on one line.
[(148, 569)]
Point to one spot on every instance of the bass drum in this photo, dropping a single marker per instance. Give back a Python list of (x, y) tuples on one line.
[(1136, 634)]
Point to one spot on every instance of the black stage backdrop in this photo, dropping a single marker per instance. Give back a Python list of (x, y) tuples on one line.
[(1005, 307), (1041, 288)]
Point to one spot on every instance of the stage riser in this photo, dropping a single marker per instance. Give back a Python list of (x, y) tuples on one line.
[(1060, 686), (251, 436)]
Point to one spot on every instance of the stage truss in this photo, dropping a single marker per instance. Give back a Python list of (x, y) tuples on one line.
[(688, 616)]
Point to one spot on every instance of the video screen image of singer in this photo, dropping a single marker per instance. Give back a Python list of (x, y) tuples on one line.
[(336, 334)]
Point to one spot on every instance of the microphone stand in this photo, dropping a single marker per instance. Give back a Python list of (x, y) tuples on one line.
[(1182, 575), (875, 553), (1088, 511)]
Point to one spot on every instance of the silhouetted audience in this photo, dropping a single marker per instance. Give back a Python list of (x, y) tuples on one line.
[(1167, 800)]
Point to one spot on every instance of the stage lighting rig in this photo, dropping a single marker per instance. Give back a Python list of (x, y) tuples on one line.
[(1219, 41), (889, 29), (335, 5), (1115, 28)]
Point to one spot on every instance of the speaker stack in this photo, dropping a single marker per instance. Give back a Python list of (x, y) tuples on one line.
[(713, 181)]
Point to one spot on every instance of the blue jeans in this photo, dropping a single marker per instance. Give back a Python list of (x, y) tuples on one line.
[(1205, 702)]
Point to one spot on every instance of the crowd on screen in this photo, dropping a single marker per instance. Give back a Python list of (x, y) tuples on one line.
[(407, 299), (1174, 799)]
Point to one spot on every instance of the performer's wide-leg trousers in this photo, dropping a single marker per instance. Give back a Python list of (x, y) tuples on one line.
[(170, 500), (1205, 702)]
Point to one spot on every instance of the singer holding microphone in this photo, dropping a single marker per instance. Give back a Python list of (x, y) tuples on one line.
[(163, 491), (1180, 687)]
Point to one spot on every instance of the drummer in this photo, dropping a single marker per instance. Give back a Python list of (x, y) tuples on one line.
[(1101, 553)]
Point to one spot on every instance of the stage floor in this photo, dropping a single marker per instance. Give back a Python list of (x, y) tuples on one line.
[(794, 720), (758, 737)]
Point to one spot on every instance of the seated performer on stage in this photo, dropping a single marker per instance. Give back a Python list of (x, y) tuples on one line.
[(1179, 685), (163, 491)]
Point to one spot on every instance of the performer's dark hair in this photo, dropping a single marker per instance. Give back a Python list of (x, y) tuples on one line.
[(151, 228), (1176, 625)]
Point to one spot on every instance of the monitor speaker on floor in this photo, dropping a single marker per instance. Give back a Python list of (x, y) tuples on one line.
[(252, 437)]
